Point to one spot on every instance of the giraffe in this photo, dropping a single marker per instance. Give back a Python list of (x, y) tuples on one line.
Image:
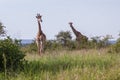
[(79, 37), (41, 37)]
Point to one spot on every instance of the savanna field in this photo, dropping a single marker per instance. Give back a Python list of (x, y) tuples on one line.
[(86, 64), (89, 60)]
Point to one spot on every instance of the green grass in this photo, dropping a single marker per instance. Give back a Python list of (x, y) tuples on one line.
[(69, 65)]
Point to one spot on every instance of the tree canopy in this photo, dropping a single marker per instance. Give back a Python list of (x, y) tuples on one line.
[(2, 31), (64, 37)]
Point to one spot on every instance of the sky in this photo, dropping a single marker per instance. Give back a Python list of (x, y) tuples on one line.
[(90, 17)]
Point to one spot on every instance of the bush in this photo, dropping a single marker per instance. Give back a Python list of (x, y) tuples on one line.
[(29, 48), (115, 48), (52, 45), (10, 55)]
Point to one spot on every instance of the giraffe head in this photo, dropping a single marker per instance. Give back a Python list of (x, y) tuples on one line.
[(39, 17), (70, 23)]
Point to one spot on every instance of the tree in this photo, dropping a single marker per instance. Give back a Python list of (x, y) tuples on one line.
[(95, 39), (2, 31), (64, 37), (99, 42), (106, 39)]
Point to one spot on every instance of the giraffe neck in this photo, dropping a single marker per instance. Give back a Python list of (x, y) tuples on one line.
[(39, 28), (75, 31)]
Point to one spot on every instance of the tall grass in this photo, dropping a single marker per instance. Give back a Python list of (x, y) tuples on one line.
[(70, 65)]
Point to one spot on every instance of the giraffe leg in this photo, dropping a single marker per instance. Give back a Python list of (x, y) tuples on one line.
[(38, 45), (39, 51), (42, 47)]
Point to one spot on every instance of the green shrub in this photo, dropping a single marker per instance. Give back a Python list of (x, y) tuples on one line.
[(52, 45), (29, 48), (10, 55), (115, 48)]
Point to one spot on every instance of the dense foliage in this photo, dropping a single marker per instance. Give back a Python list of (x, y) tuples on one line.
[(10, 55)]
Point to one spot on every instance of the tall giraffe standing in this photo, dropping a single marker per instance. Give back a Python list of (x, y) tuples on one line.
[(41, 37), (79, 36)]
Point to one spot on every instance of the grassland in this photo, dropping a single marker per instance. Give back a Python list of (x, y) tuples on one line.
[(69, 65)]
